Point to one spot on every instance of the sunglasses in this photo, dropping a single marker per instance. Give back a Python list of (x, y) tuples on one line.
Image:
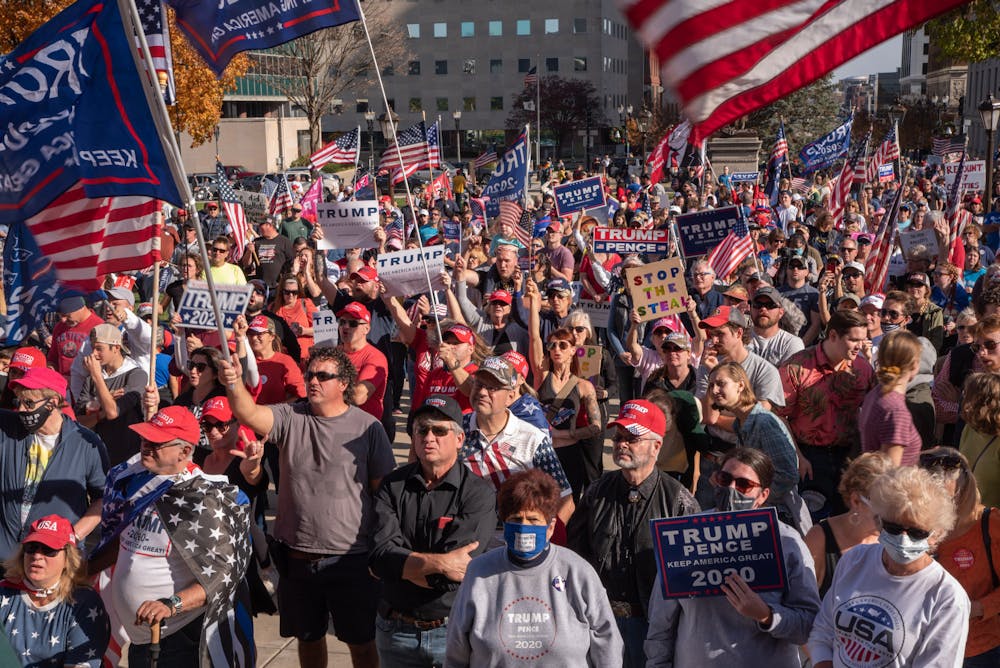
[(321, 376), (353, 324), (940, 461), (672, 348), (197, 366), (912, 532), (438, 430), (888, 313), (743, 485), (209, 425), (561, 345), (579, 329), (625, 437), (219, 250), (36, 547), (497, 302), (988, 344), (767, 306), (28, 404)]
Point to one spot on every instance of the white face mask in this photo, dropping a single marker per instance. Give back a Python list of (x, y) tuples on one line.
[(902, 549)]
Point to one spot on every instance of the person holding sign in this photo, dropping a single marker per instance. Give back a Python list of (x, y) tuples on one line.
[(727, 630)]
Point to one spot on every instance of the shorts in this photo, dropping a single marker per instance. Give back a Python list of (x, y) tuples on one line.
[(336, 587)]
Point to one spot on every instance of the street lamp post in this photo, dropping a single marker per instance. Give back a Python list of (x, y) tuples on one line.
[(388, 122), (896, 114), (218, 132), (457, 115), (625, 115), (989, 110), (370, 120)]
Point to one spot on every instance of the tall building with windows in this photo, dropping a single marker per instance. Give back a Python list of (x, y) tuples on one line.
[(913, 69)]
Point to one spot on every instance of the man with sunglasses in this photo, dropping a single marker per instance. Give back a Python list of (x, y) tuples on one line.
[(322, 539), (223, 271), (432, 516), (768, 339), (610, 527)]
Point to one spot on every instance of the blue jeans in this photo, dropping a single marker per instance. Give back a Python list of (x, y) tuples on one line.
[(633, 630), (990, 659), (403, 645)]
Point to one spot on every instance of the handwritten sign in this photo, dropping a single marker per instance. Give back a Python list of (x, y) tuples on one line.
[(196, 304), (590, 360), (347, 224), (325, 331), (402, 272), (254, 204), (910, 239), (702, 231), (695, 553), (578, 195), (622, 241), (658, 289), (973, 175), (599, 312)]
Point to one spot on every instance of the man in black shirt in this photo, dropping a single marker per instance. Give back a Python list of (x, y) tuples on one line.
[(432, 517)]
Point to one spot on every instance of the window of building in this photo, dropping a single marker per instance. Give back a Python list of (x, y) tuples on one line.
[(416, 104), (496, 103), (442, 104), (579, 26), (523, 26), (468, 104), (496, 28), (389, 70), (579, 64), (469, 66), (440, 67), (551, 64), (360, 106), (440, 30), (551, 26), (413, 30), (414, 68), (496, 66), (468, 29), (926, 48), (523, 65)]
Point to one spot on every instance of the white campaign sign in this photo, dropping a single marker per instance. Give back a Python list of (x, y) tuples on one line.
[(254, 204), (402, 272), (598, 311), (325, 328), (926, 237), (347, 224)]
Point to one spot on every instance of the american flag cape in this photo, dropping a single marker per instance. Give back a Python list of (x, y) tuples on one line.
[(341, 151), (958, 218), (208, 522), (736, 247), (233, 208), (153, 16), (413, 148), (887, 151), (726, 59), (281, 199), (877, 264)]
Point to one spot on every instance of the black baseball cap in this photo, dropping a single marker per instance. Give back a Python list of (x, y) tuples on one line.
[(445, 407)]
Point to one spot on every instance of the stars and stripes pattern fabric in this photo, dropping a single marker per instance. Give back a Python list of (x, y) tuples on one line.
[(958, 216), (725, 59), (887, 151), (840, 191), (268, 187), (341, 151), (434, 146), (86, 238), (945, 146), (234, 211), (531, 78), (281, 199), (153, 16), (412, 144), (736, 247), (800, 185), (394, 230), (485, 158), (510, 214), (478, 207), (877, 263), (779, 155)]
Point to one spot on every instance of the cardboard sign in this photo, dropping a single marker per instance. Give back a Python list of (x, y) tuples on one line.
[(196, 304), (886, 172), (254, 205), (325, 331), (743, 177), (599, 312), (695, 553), (590, 360), (402, 272), (658, 289), (623, 241), (702, 231), (347, 224), (973, 175), (579, 195), (926, 237)]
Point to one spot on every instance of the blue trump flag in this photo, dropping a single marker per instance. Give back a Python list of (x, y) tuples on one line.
[(828, 148), (219, 30), (72, 110), (509, 176), (29, 283)]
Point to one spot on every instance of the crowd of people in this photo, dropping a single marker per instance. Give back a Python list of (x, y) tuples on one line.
[(866, 416)]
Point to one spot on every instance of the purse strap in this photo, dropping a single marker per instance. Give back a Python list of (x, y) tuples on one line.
[(989, 551)]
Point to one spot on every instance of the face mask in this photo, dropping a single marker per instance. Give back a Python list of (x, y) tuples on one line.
[(890, 327), (799, 251), (902, 549), (525, 541), (729, 498), (33, 420)]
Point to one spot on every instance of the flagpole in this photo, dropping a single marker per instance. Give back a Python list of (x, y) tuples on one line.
[(538, 113), (357, 157), (158, 110), (788, 161), (156, 302), (524, 197), (430, 166), (399, 157)]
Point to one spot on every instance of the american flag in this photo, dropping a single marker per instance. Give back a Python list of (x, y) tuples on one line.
[(434, 146), (394, 230), (736, 247), (511, 214), (490, 156), (478, 207), (958, 217), (88, 238), (877, 264), (234, 212), (281, 199), (413, 146), (779, 154), (724, 60), (341, 151), (840, 191), (153, 16), (887, 151), (800, 185), (531, 78), (944, 146), (268, 187)]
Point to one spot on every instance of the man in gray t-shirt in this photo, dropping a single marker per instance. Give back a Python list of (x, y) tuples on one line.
[(768, 339), (333, 457)]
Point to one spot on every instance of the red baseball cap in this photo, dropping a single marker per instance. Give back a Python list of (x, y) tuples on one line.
[(501, 296), (365, 274), (41, 378), (169, 423), (261, 324), (52, 531), (640, 417), (357, 311), (722, 315), (555, 226), (518, 361), (218, 408), (462, 333), (27, 357)]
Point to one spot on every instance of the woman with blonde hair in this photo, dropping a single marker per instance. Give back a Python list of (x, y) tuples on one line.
[(886, 423), (980, 441)]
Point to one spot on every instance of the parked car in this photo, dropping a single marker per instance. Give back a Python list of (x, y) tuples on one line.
[(204, 186)]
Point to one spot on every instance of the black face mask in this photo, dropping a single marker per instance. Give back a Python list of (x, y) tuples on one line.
[(32, 421)]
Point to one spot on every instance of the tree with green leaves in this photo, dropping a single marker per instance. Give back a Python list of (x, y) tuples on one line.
[(568, 105), (970, 33), (809, 113)]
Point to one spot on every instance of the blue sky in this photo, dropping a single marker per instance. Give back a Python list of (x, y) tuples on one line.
[(883, 58)]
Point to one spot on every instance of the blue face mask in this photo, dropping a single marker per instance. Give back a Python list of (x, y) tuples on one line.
[(798, 251), (525, 541), (902, 549)]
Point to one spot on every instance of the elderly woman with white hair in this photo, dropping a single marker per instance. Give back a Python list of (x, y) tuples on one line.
[(891, 603)]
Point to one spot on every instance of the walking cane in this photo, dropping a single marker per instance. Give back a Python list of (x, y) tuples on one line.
[(154, 644)]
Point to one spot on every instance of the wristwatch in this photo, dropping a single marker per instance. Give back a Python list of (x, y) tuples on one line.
[(174, 603)]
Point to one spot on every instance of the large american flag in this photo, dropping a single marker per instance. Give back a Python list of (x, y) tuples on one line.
[(412, 146), (726, 59), (958, 217), (341, 151), (485, 158), (281, 199), (736, 247), (944, 146), (234, 212), (877, 264), (88, 238), (840, 191), (153, 16), (511, 214), (434, 146), (887, 151)]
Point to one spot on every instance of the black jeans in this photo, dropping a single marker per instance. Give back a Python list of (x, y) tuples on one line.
[(178, 650), (828, 465)]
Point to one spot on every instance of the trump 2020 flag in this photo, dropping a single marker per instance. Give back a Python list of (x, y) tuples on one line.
[(509, 176), (218, 30), (73, 111)]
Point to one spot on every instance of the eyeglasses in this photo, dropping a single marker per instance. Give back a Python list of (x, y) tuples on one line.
[(149, 445), (767, 306), (321, 376), (209, 425), (35, 547), (891, 313), (726, 479), (941, 461), (988, 344), (561, 345), (436, 429), (28, 404), (912, 532), (216, 249), (197, 366), (351, 323), (672, 348), (497, 302), (625, 437), (962, 328), (479, 385), (579, 329), (700, 274)]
